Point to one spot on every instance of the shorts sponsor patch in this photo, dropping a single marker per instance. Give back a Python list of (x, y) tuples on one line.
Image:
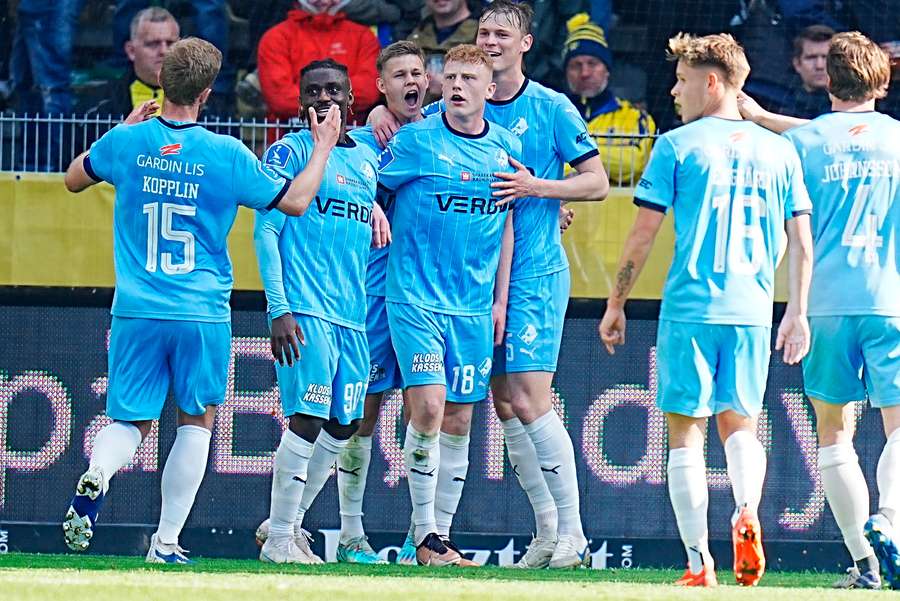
[(318, 393), (427, 363)]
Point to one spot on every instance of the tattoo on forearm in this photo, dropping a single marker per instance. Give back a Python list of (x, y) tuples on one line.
[(623, 279)]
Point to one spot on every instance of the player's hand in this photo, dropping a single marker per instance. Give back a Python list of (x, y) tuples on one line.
[(498, 315), (612, 329), (384, 124), (519, 184), (142, 112), (793, 337), (381, 227), (566, 216), (285, 335), (328, 132), (750, 109)]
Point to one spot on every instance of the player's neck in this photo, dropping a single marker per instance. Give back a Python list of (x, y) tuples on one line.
[(177, 112), (466, 124), (508, 82), (724, 108), (852, 106), (403, 119)]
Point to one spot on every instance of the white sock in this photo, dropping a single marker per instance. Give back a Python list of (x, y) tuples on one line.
[(423, 458), (556, 458), (353, 468), (746, 461), (325, 453), (114, 448), (888, 477), (524, 461), (288, 482), (181, 479), (451, 479), (690, 498), (847, 495)]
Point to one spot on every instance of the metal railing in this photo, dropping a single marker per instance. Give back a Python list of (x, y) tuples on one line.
[(40, 143)]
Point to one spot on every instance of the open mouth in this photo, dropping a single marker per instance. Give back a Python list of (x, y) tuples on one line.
[(322, 109), (412, 99), (457, 98), (493, 53)]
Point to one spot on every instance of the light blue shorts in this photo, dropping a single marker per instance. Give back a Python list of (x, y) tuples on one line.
[(535, 315), (146, 356), (437, 348), (384, 373), (706, 369), (329, 380), (851, 357)]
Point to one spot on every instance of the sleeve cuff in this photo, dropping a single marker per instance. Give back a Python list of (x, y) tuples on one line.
[(588, 155), (279, 196), (802, 212), (89, 169), (650, 205)]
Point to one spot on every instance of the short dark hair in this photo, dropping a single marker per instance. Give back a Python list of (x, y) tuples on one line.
[(188, 69), (401, 48), (858, 70), (328, 63), (519, 14), (814, 33)]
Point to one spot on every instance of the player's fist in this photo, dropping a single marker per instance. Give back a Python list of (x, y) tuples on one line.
[(285, 335), (566, 216), (612, 329)]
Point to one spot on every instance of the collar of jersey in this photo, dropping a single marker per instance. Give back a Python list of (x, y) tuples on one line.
[(515, 96), (463, 134), (175, 125), (348, 143)]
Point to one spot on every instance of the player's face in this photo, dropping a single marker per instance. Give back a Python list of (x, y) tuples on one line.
[(403, 83), (691, 91), (322, 88), (149, 47), (810, 65), (466, 88), (587, 75), (503, 42)]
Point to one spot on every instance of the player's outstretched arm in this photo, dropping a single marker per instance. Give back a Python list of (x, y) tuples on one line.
[(752, 111), (590, 183), (793, 332), (306, 185), (634, 256), (77, 178), (501, 283)]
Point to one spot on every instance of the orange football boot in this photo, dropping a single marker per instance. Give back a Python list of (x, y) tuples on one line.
[(749, 559), (707, 578)]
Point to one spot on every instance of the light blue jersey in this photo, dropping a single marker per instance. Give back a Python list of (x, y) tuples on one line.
[(447, 226), (732, 185), (178, 187), (376, 273), (851, 166), (552, 133), (319, 265)]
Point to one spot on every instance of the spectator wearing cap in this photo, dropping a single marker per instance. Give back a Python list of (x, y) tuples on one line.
[(588, 62)]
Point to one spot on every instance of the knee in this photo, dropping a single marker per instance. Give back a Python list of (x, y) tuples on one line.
[(457, 419), (206, 420), (306, 427), (339, 431)]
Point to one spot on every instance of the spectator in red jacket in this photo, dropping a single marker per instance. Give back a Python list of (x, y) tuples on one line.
[(316, 30)]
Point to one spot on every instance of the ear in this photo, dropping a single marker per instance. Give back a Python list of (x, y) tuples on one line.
[(527, 42), (492, 87), (129, 50), (796, 63), (712, 80), (204, 95), (350, 97), (379, 83)]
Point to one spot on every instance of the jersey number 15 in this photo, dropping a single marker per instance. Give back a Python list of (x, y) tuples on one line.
[(162, 225)]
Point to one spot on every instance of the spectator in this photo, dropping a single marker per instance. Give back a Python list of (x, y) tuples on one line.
[(588, 62), (810, 98), (316, 30), (544, 62), (153, 31), (211, 24), (399, 16), (448, 24)]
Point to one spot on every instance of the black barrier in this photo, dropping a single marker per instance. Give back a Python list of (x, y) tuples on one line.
[(52, 394)]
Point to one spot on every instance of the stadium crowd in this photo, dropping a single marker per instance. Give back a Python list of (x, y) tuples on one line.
[(102, 57)]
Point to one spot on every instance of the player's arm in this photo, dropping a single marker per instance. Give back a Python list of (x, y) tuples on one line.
[(501, 283), (285, 331), (589, 183), (793, 332), (381, 227), (77, 177), (634, 256), (305, 186), (752, 111)]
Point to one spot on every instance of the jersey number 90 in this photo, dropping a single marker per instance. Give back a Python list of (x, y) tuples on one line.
[(160, 223)]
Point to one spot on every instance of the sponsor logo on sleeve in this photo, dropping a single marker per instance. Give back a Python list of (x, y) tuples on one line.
[(645, 184), (278, 155), (386, 158)]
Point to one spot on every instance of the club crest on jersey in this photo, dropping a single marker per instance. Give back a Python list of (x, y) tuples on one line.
[(502, 158), (278, 155), (520, 127), (528, 334), (862, 128), (484, 368), (170, 149), (368, 171)]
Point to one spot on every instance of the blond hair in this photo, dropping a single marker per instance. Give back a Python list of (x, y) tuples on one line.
[(857, 68), (719, 50), (469, 54), (190, 67)]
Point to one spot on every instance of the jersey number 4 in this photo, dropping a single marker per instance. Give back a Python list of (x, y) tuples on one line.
[(868, 240), (159, 223)]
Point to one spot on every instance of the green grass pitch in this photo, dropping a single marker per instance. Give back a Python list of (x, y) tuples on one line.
[(28, 577)]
